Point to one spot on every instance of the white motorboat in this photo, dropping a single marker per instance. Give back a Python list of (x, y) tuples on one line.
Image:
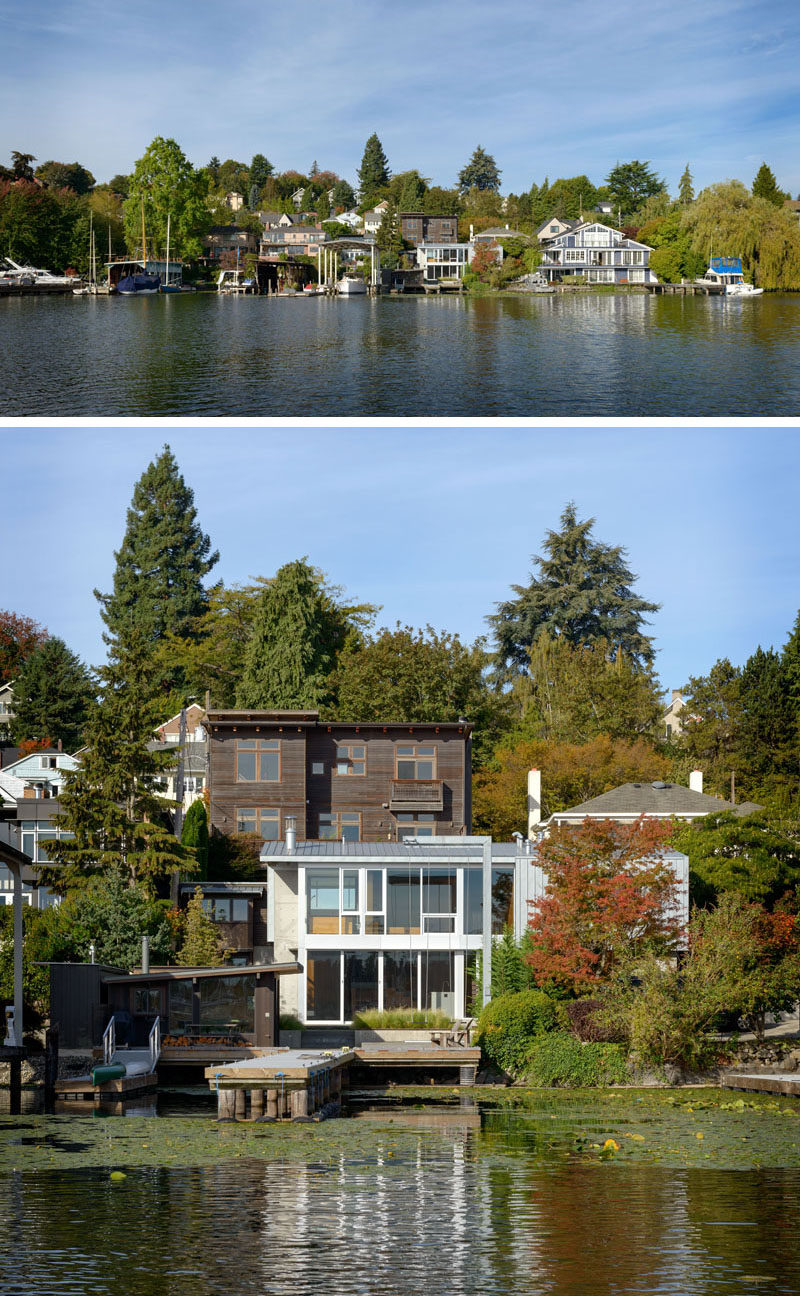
[(29, 277), (350, 286), (726, 273)]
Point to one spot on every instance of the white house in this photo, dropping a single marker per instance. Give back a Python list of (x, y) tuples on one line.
[(598, 253), (444, 260), (373, 218)]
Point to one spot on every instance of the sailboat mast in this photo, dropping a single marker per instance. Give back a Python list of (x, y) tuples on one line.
[(169, 214), (144, 243)]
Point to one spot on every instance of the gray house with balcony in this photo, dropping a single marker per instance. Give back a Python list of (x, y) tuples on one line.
[(597, 253)]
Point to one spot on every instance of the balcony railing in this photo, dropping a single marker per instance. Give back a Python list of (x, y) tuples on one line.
[(416, 794)]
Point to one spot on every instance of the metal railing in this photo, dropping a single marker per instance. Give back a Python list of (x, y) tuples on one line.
[(155, 1043), (109, 1042)]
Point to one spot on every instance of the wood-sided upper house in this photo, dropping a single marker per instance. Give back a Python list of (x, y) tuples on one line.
[(599, 253), (350, 782)]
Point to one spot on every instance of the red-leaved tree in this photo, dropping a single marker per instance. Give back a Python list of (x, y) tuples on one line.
[(19, 637), (608, 889)]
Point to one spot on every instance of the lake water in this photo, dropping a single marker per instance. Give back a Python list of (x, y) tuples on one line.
[(504, 1201), (576, 355)]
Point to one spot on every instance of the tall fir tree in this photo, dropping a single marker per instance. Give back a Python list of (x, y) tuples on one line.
[(53, 696), (374, 173), (109, 804), (298, 632), (479, 173), (160, 566), (766, 186), (767, 740), (583, 592), (686, 188), (791, 665)]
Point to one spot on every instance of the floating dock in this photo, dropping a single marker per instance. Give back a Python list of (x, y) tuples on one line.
[(80, 1088), (780, 1082), (393, 1054), (287, 1084)]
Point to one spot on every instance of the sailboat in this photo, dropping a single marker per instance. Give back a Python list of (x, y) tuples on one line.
[(139, 280), (89, 289), (166, 286)]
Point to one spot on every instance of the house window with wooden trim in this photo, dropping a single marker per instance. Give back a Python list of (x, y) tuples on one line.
[(262, 820), (351, 758), (416, 761), (415, 825), (225, 909), (340, 825), (258, 760)]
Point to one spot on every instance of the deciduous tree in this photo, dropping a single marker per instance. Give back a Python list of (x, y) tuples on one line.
[(19, 637), (165, 183), (608, 889), (571, 774), (65, 175), (756, 856)]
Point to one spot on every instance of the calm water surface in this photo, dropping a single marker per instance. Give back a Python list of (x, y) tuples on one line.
[(200, 355), (460, 1203)]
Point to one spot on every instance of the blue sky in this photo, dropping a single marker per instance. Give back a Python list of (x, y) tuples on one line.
[(434, 524), (547, 90)]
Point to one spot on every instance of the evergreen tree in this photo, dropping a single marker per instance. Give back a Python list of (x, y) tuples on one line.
[(766, 186), (194, 835), (767, 732), (631, 183), (111, 915), (53, 695), (374, 173), (343, 196), (201, 945), (686, 189), (714, 703), (791, 664), (479, 173), (298, 631), (109, 804), (260, 170), (583, 592), (158, 580)]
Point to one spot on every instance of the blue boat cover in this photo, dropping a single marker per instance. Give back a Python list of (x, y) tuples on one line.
[(727, 265)]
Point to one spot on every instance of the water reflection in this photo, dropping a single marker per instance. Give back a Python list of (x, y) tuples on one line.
[(571, 355), (460, 1212)]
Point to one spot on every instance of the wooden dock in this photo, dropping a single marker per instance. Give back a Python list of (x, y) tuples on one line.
[(462, 1058), (780, 1082), (293, 1084), (80, 1088)]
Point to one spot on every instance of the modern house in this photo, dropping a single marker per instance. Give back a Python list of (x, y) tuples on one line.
[(417, 227), (351, 782), (444, 260), (598, 254)]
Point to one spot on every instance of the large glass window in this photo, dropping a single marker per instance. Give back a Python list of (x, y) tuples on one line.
[(180, 1006), (225, 909), (402, 901), (473, 901), (502, 898), (265, 821), (258, 760), (374, 923), (399, 980), (323, 987), (438, 900), (438, 983), (226, 1003), (416, 762), (322, 898), (360, 983)]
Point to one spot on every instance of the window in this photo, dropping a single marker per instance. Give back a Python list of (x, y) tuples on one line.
[(147, 1001), (225, 909), (438, 900), (415, 825), (265, 822), (374, 922), (317, 767), (340, 825), (351, 758), (402, 902), (258, 760), (399, 980), (416, 762), (360, 983), (323, 986)]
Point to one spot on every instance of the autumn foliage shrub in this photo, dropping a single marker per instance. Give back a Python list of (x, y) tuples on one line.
[(509, 1024), (588, 1025)]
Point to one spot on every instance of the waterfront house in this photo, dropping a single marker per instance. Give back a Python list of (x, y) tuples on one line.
[(291, 240), (445, 260), (225, 241), (352, 782), (598, 254), (495, 234), (417, 227), (552, 227)]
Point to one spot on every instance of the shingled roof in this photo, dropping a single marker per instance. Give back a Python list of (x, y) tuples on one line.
[(662, 800)]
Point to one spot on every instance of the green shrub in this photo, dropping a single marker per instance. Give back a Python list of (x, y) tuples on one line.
[(288, 1022), (560, 1061), (401, 1019), (509, 1024)]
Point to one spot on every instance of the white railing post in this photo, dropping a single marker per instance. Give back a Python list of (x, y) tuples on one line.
[(155, 1043), (109, 1041)]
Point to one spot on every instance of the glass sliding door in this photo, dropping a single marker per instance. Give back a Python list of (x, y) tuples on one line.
[(399, 980), (360, 984), (323, 986)]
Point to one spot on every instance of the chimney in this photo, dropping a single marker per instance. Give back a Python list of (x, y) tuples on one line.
[(534, 800), (471, 233), (145, 954), (291, 833), (696, 781)]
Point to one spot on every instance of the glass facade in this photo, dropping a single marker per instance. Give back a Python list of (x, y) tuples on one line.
[(226, 1003)]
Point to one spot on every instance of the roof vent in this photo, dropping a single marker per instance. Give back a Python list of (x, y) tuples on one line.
[(659, 786)]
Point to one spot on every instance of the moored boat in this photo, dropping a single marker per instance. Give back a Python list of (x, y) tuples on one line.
[(726, 273), (349, 286)]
